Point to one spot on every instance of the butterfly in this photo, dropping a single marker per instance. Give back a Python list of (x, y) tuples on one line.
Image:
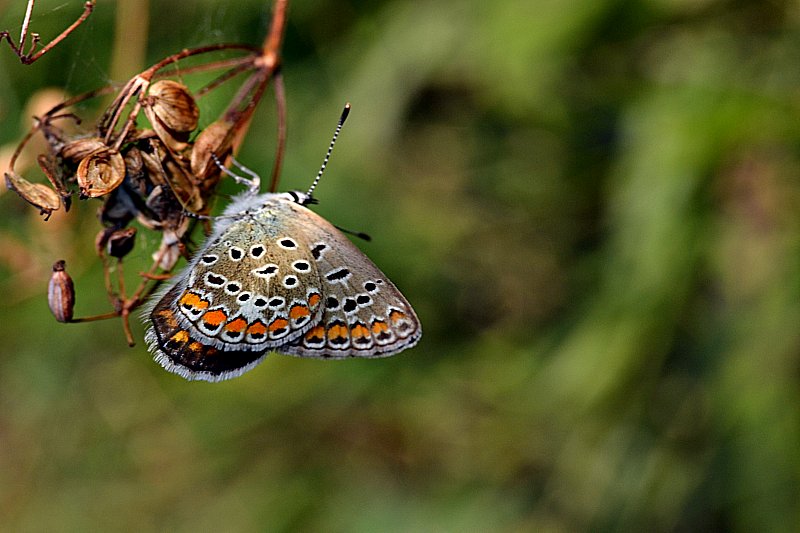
[(275, 276)]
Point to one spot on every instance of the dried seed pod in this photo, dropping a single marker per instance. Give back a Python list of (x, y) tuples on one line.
[(56, 178), (169, 252), (121, 242), (61, 293), (215, 139), (174, 105), (80, 149), (100, 173), (172, 112), (36, 194)]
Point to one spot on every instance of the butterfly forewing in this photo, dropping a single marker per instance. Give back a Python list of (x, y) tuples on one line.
[(364, 313)]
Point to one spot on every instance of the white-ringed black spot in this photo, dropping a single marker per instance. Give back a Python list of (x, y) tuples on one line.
[(287, 243), (266, 271), (289, 281), (209, 259), (317, 250), (257, 250), (301, 266), (363, 300), (236, 253), (338, 274), (370, 286), (259, 301), (331, 303), (232, 288), (277, 302), (214, 280), (243, 297), (349, 305)]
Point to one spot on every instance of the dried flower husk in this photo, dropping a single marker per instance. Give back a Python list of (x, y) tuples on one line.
[(173, 113), (36, 194), (121, 242), (216, 138), (56, 178), (174, 105), (80, 149), (61, 293), (170, 250), (100, 173)]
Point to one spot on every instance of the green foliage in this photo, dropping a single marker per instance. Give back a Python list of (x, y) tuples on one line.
[(593, 205)]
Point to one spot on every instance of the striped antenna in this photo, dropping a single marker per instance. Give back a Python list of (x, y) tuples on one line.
[(342, 118)]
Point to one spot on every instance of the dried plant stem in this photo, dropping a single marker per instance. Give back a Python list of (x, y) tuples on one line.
[(30, 56), (280, 146)]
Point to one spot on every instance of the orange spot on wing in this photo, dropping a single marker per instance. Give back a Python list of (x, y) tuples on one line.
[(180, 336), (237, 325), (337, 331), (298, 311), (316, 334), (396, 316), (215, 318), (169, 317), (193, 300), (314, 299), (278, 323), (359, 330), (257, 328), (379, 326)]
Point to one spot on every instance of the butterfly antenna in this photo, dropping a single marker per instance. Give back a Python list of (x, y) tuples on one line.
[(342, 118)]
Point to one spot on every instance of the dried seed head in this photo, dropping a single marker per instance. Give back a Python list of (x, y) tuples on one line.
[(81, 148), (36, 194), (56, 178), (215, 139), (174, 105), (100, 173), (121, 242), (172, 112), (61, 293)]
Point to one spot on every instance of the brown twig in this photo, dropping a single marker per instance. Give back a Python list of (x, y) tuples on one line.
[(280, 145), (30, 56)]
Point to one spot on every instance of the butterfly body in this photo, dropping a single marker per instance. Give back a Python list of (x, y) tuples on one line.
[(274, 275)]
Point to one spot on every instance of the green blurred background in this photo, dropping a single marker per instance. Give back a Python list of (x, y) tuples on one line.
[(594, 207)]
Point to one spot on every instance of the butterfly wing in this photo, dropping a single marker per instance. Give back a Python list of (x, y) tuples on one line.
[(364, 314), (252, 287)]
